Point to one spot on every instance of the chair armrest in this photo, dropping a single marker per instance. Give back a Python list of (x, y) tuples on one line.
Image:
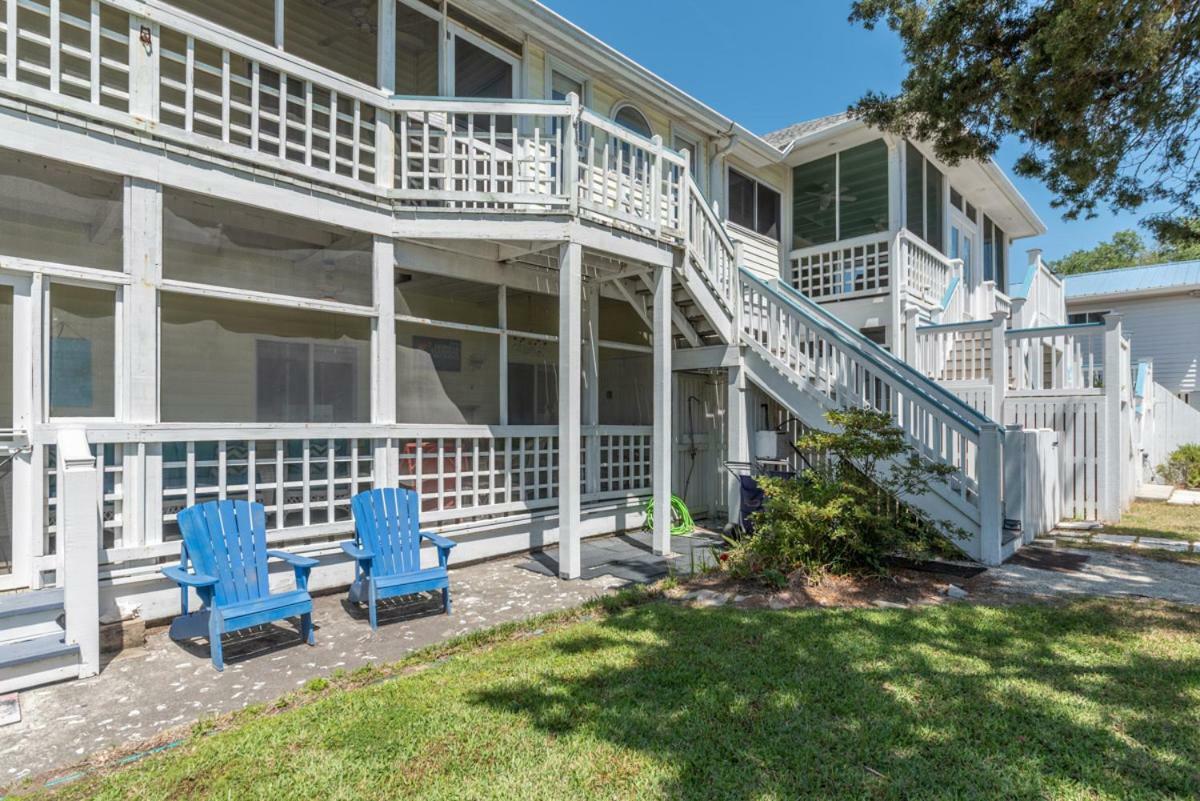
[(438, 540), (293, 560), (181, 576), (355, 552)]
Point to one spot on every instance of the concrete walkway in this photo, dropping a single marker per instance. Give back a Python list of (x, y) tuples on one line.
[(145, 691), (1038, 570)]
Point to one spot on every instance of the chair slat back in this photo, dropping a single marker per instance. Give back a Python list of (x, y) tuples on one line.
[(387, 523), (228, 540)]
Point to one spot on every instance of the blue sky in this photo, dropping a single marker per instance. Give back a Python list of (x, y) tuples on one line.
[(769, 63)]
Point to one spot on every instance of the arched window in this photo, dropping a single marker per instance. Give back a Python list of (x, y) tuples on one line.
[(629, 117)]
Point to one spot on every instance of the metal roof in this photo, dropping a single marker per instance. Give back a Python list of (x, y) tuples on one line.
[(1181, 275)]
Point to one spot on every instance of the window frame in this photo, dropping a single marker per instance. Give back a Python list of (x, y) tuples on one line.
[(759, 185), (624, 104), (311, 345), (927, 164), (837, 195)]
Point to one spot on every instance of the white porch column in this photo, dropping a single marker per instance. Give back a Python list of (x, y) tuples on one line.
[(79, 544), (590, 403), (999, 364), (662, 450), (1111, 452), (143, 68), (385, 76), (990, 471), (570, 364), (139, 354), (737, 435), (383, 357)]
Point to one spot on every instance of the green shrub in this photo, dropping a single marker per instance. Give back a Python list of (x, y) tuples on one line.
[(842, 516), (1183, 468)]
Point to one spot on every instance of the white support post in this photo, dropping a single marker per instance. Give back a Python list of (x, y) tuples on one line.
[(383, 356), (662, 450), (279, 23), (591, 383), (910, 337), (571, 157), (999, 364), (385, 121), (139, 388), (990, 470), (79, 543), (1111, 453), (737, 432), (143, 68), (570, 358)]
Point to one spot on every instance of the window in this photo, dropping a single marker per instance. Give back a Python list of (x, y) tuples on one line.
[(629, 117), (417, 52), (56, 213), (83, 336), (876, 334), (341, 39), (302, 382), (688, 145), (626, 385), (217, 242), (753, 205), (924, 187), (1086, 318), (262, 364), (841, 196), (562, 85), (479, 72), (994, 254)]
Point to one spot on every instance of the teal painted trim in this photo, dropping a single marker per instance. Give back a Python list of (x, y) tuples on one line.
[(885, 360), (949, 292), (1143, 375), (1041, 329), (964, 324)]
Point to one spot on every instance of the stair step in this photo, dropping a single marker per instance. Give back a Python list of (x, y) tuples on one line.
[(30, 615), (30, 602), (40, 660)]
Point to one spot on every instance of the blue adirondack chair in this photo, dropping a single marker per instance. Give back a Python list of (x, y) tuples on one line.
[(387, 550), (226, 545)]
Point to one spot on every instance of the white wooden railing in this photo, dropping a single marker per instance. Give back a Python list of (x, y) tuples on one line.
[(955, 351), (148, 67), (850, 268), (305, 476), (1066, 357), (710, 247), (1044, 301), (823, 356), (926, 273)]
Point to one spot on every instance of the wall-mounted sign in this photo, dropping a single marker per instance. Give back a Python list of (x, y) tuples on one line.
[(446, 353)]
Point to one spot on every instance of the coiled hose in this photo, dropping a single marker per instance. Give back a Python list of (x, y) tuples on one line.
[(681, 519)]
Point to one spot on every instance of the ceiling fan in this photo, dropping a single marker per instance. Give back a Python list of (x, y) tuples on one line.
[(825, 195)]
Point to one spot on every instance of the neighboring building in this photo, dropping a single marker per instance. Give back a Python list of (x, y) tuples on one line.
[(290, 251), (1160, 309)]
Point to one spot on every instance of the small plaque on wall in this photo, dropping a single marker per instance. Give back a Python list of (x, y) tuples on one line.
[(446, 353)]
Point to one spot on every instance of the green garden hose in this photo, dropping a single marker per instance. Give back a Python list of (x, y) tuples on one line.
[(681, 519)]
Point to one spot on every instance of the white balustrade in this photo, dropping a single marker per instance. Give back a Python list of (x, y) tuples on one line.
[(1068, 357), (927, 274), (957, 352), (823, 355), (709, 245), (305, 476), (850, 268)]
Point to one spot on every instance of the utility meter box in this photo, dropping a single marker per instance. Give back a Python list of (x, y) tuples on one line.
[(766, 445)]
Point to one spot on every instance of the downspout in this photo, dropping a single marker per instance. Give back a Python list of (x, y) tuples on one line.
[(716, 169)]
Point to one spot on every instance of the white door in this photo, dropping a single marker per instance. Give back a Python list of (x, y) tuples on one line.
[(964, 240), (16, 395)]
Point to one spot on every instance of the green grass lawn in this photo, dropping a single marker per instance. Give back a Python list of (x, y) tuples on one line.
[(1159, 519), (1092, 700)]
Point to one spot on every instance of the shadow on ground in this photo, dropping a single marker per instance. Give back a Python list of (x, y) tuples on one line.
[(959, 702)]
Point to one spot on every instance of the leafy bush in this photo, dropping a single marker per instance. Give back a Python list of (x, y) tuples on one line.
[(842, 516), (1183, 468)]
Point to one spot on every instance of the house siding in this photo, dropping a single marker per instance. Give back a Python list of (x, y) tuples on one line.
[(1165, 330)]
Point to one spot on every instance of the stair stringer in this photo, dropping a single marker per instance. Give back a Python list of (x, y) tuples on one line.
[(810, 408)]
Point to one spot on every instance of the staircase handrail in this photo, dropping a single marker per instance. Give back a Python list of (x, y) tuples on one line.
[(931, 391), (726, 284)]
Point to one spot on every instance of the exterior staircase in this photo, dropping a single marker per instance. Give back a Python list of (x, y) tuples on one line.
[(33, 647), (810, 361)]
